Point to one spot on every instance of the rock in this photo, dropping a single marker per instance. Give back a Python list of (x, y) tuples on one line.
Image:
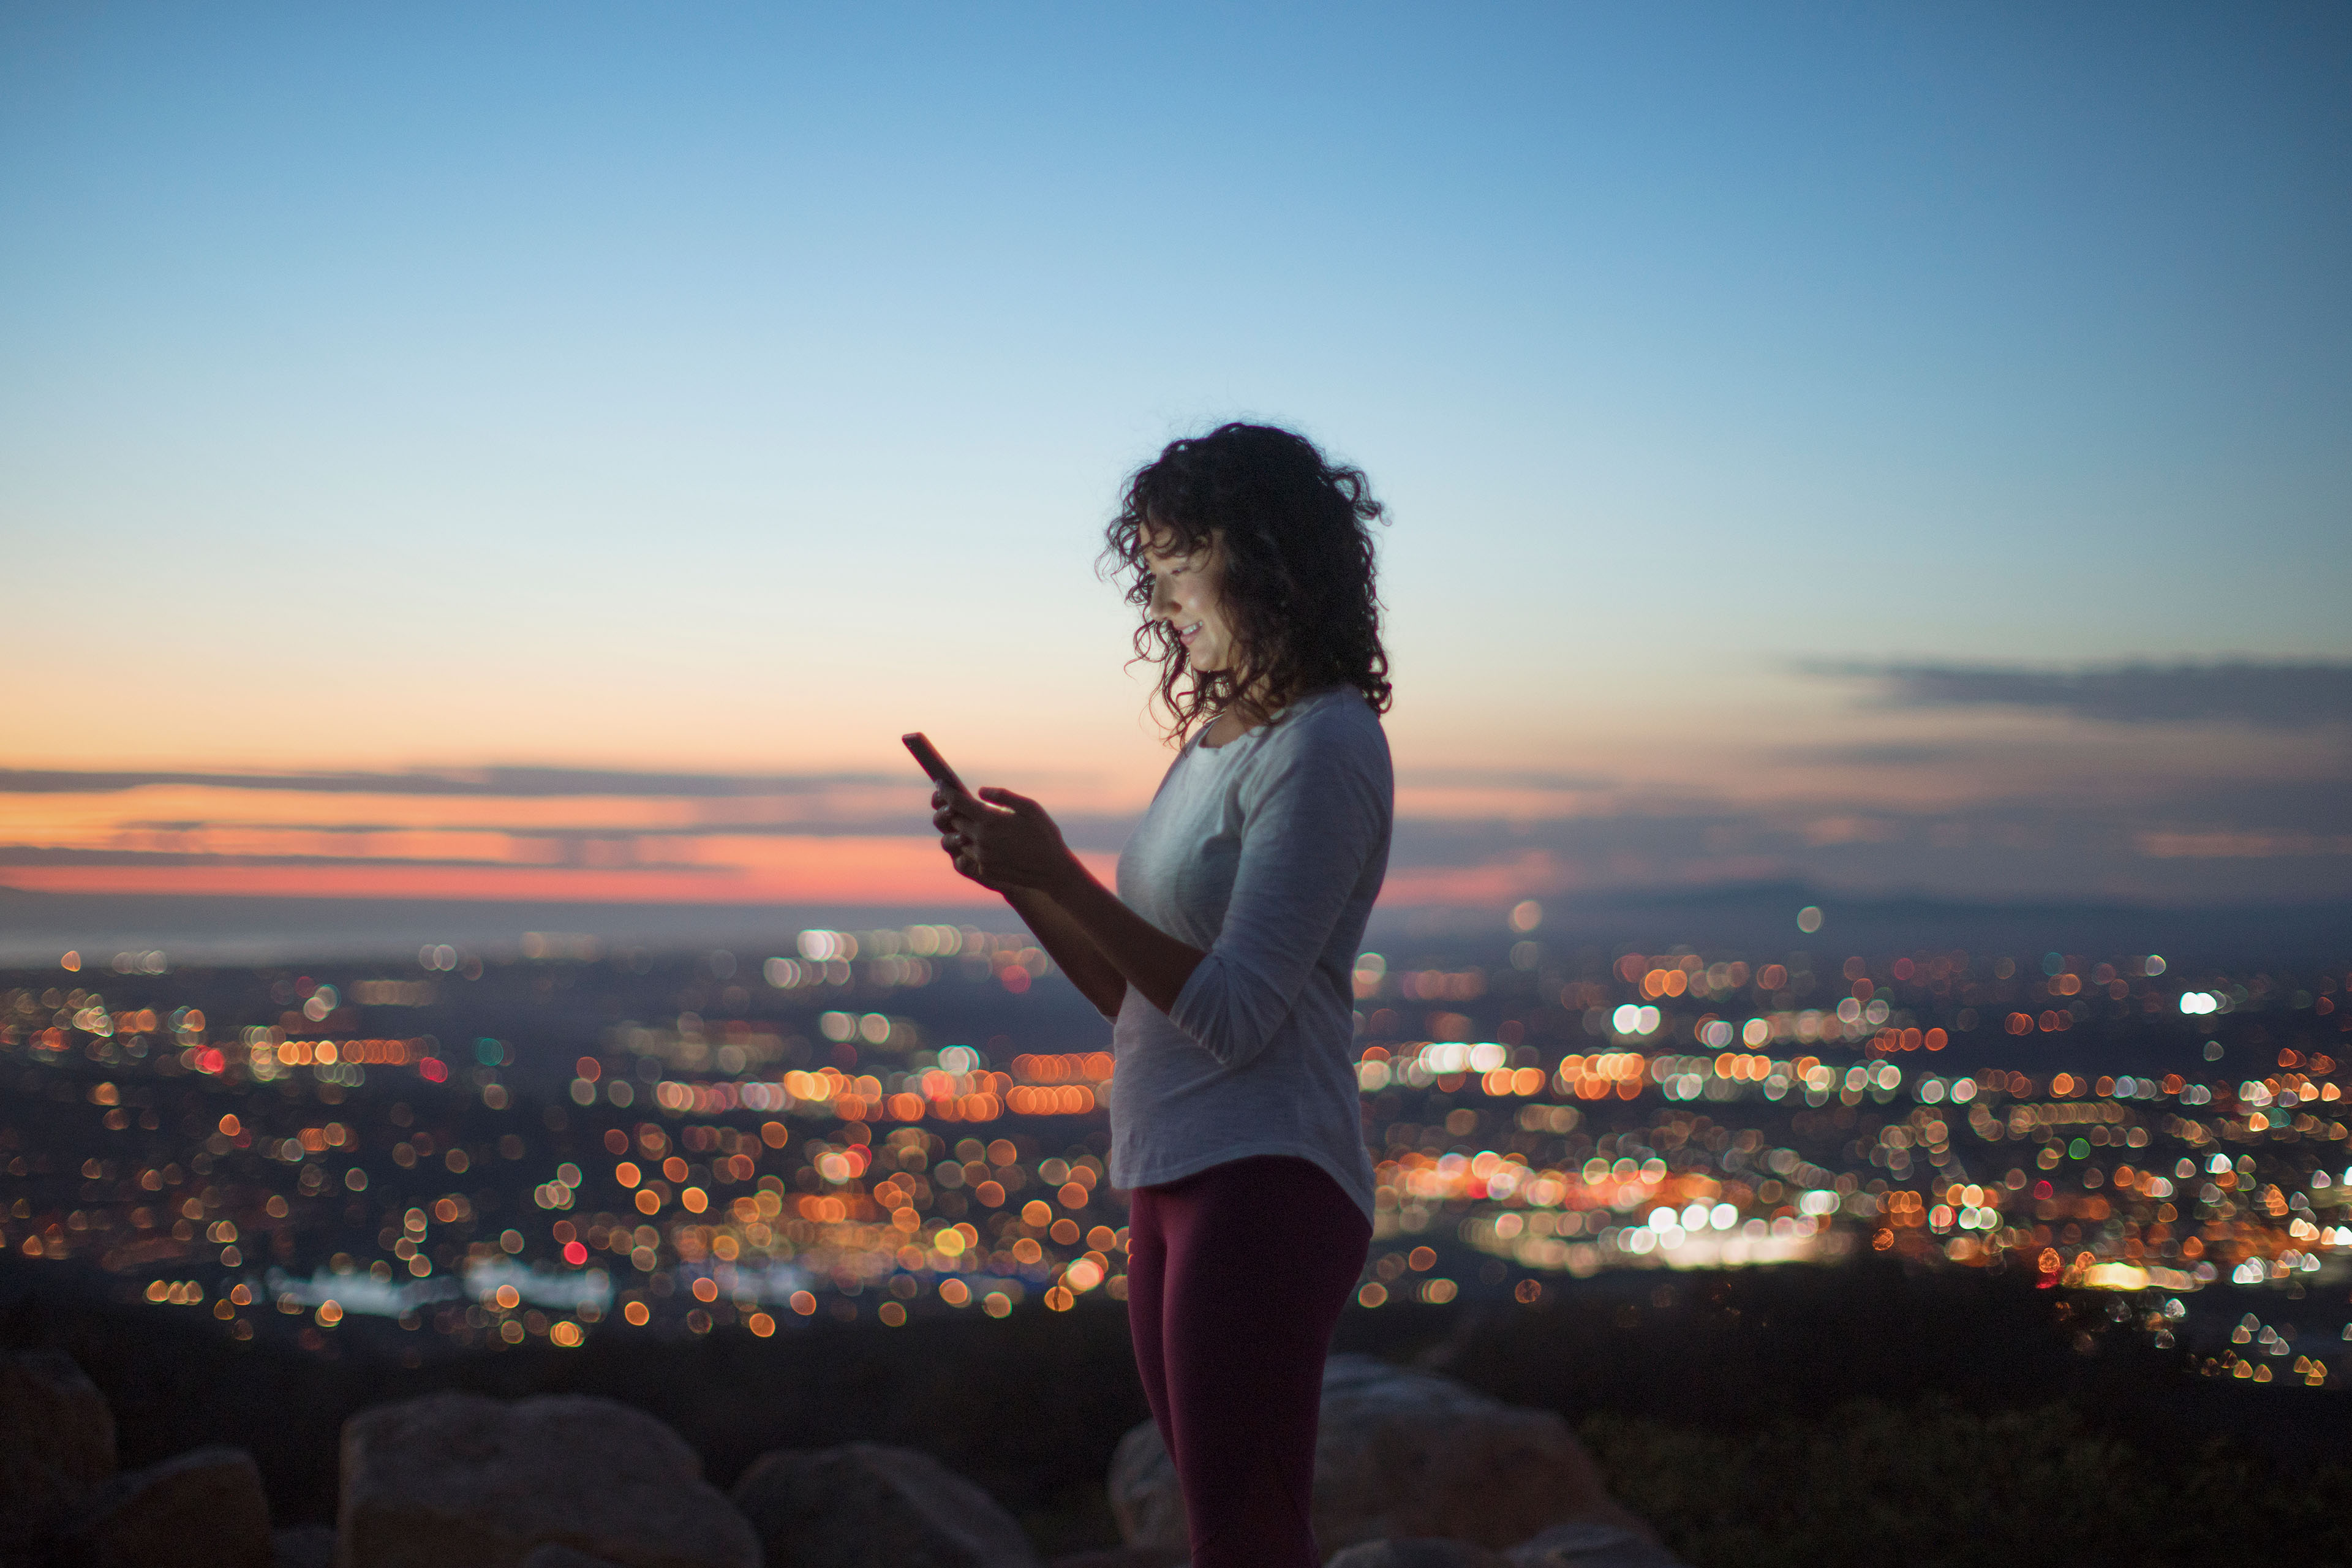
[(1591, 1543), (303, 1546), (1121, 1557), (457, 1481), (1429, 1554), (1144, 1496), (57, 1440), (869, 1505), (1400, 1456), (553, 1555), (203, 1508)]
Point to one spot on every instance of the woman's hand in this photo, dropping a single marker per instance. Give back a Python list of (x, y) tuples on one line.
[(1001, 840), (978, 836), (952, 841), (1007, 844)]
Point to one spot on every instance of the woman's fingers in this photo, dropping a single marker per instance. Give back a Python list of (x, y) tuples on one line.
[(1017, 803), (991, 835), (959, 819), (965, 808), (959, 856)]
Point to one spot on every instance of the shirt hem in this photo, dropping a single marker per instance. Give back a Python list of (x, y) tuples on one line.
[(1321, 1159)]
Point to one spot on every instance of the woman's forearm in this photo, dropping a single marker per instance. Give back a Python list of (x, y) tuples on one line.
[(1071, 948), (1138, 953)]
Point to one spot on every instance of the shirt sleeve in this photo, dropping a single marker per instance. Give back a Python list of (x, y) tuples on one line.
[(1312, 821)]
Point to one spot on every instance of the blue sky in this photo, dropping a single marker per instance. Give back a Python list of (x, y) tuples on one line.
[(731, 387)]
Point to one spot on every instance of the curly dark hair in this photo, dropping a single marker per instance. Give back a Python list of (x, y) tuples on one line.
[(1299, 569)]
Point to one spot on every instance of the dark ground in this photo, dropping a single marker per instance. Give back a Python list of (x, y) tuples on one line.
[(1860, 1414)]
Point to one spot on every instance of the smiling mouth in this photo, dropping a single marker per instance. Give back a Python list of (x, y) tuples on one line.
[(1186, 634)]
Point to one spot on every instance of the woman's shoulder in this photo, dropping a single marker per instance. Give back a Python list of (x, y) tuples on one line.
[(1336, 712), (1335, 726)]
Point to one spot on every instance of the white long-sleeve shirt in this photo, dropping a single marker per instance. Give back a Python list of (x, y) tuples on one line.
[(1266, 852)]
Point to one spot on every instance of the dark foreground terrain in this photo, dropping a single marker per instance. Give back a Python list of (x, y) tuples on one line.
[(1860, 1414)]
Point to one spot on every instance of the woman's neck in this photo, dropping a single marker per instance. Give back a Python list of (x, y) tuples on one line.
[(1239, 718)]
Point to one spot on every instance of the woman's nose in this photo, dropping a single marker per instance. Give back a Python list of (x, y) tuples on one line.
[(1163, 603)]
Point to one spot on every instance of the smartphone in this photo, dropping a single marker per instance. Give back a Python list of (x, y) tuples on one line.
[(928, 756)]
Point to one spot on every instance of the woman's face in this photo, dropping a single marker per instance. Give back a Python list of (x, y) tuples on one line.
[(1186, 594)]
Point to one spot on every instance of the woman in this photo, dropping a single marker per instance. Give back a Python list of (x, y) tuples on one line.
[(1225, 958)]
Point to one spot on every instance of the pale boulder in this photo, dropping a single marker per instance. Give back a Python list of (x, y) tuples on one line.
[(1591, 1543), (870, 1505), (1417, 1554), (1401, 1456), (457, 1481)]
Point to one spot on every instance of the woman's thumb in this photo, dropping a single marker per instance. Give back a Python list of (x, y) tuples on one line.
[(1006, 798)]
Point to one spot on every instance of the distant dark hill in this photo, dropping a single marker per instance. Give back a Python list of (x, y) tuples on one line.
[(1761, 918), (1742, 919)]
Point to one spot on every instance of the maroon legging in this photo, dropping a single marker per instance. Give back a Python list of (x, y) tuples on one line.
[(1235, 1277)]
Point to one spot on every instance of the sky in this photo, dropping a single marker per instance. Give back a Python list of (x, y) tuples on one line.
[(553, 451)]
